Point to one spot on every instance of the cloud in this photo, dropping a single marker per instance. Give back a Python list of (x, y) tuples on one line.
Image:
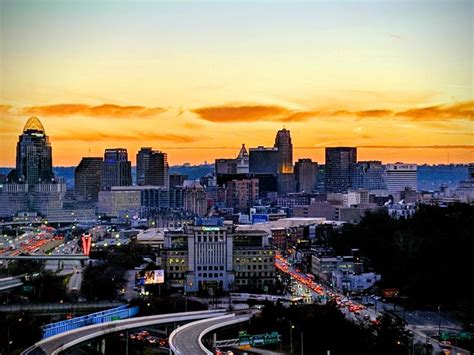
[(241, 113), (105, 110), (5, 108), (255, 113), (462, 110), (132, 136)]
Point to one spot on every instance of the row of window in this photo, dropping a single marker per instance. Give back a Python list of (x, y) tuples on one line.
[(210, 274), (249, 267), (205, 268), (260, 252), (210, 238), (254, 274), (243, 260)]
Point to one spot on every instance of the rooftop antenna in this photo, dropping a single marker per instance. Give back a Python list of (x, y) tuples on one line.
[(89, 152)]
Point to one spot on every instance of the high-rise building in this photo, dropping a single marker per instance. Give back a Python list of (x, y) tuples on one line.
[(143, 162), (33, 155), (400, 176), (152, 167), (285, 151), (195, 199), (339, 168), (242, 194), (263, 160), (210, 251), (369, 175), (305, 175), (87, 179), (116, 169)]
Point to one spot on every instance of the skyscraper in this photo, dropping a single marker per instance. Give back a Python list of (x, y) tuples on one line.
[(116, 169), (87, 179), (263, 160), (152, 168), (369, 175), (143, 162), (400, 176), (242, 194), (285, 151), (305, 175), (33, 155), (339, 168), (242, 161)]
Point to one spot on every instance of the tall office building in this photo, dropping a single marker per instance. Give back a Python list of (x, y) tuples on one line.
[(305, 175), (116, 169), (152, 168), (210, 251), (87, 179), (33, 155), (285, 151), (339, 168), (263, 160), (369, 175), (143, 162), (400, 176)]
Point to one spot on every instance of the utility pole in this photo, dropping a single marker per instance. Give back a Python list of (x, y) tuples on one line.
[(302, 347), (439, 322), (291, 338)]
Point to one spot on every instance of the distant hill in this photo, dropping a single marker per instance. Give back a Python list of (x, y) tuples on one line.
[(193, 171), (430, 177)]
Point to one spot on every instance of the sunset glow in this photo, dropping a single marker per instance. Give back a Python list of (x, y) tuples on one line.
[(198, 79)]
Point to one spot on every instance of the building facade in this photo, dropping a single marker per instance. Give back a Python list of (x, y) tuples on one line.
[(339, 168), (116, 169), (400, 176), (369, 175), (305, 175), (87, 179)]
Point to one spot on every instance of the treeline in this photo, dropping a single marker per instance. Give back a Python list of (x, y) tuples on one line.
[(429, 257)]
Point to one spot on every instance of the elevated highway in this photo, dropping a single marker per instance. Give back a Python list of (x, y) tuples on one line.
[(55, 344), (188, 338), (45, 257)]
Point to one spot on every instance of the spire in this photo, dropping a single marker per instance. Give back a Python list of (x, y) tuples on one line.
[(33, 124), (243, 152)]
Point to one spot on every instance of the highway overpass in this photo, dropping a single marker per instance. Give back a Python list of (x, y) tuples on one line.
[(53, 308), (188, 338), (46, 257), (55, 344), (10, 282)]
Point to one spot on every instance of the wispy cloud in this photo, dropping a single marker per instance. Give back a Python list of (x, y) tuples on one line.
[(95, 136), (105, 110), (255, 113)]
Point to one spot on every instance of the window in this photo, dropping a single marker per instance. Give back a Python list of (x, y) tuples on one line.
[(199, 268)]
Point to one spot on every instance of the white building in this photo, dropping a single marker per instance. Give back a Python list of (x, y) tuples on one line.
[(400, 176)]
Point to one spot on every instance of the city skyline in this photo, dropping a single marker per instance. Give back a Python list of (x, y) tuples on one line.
[(196, 79)]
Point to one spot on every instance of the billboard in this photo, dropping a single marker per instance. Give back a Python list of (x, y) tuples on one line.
[(149, 277), (259, 218)]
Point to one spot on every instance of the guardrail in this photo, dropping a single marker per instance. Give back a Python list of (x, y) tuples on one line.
[(117, 313)]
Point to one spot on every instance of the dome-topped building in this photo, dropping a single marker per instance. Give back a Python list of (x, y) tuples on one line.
[(34, 154), (33, 124)]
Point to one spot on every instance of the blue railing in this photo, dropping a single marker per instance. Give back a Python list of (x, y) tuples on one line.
[(117, 313)]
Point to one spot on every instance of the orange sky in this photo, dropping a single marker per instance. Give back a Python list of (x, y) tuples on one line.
[(198, 79)]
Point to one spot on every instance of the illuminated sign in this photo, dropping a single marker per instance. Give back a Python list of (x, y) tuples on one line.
[(210, 229), (149, 277), (86, 243)]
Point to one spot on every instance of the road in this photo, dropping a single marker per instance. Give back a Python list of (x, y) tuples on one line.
[(187, 339), (58, 343), (420, 334), (50, 307)]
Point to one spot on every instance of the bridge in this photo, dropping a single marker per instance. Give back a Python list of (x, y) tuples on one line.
[(10, 282), (57, 343), (188, 338), (49, 308), (45, 257)]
